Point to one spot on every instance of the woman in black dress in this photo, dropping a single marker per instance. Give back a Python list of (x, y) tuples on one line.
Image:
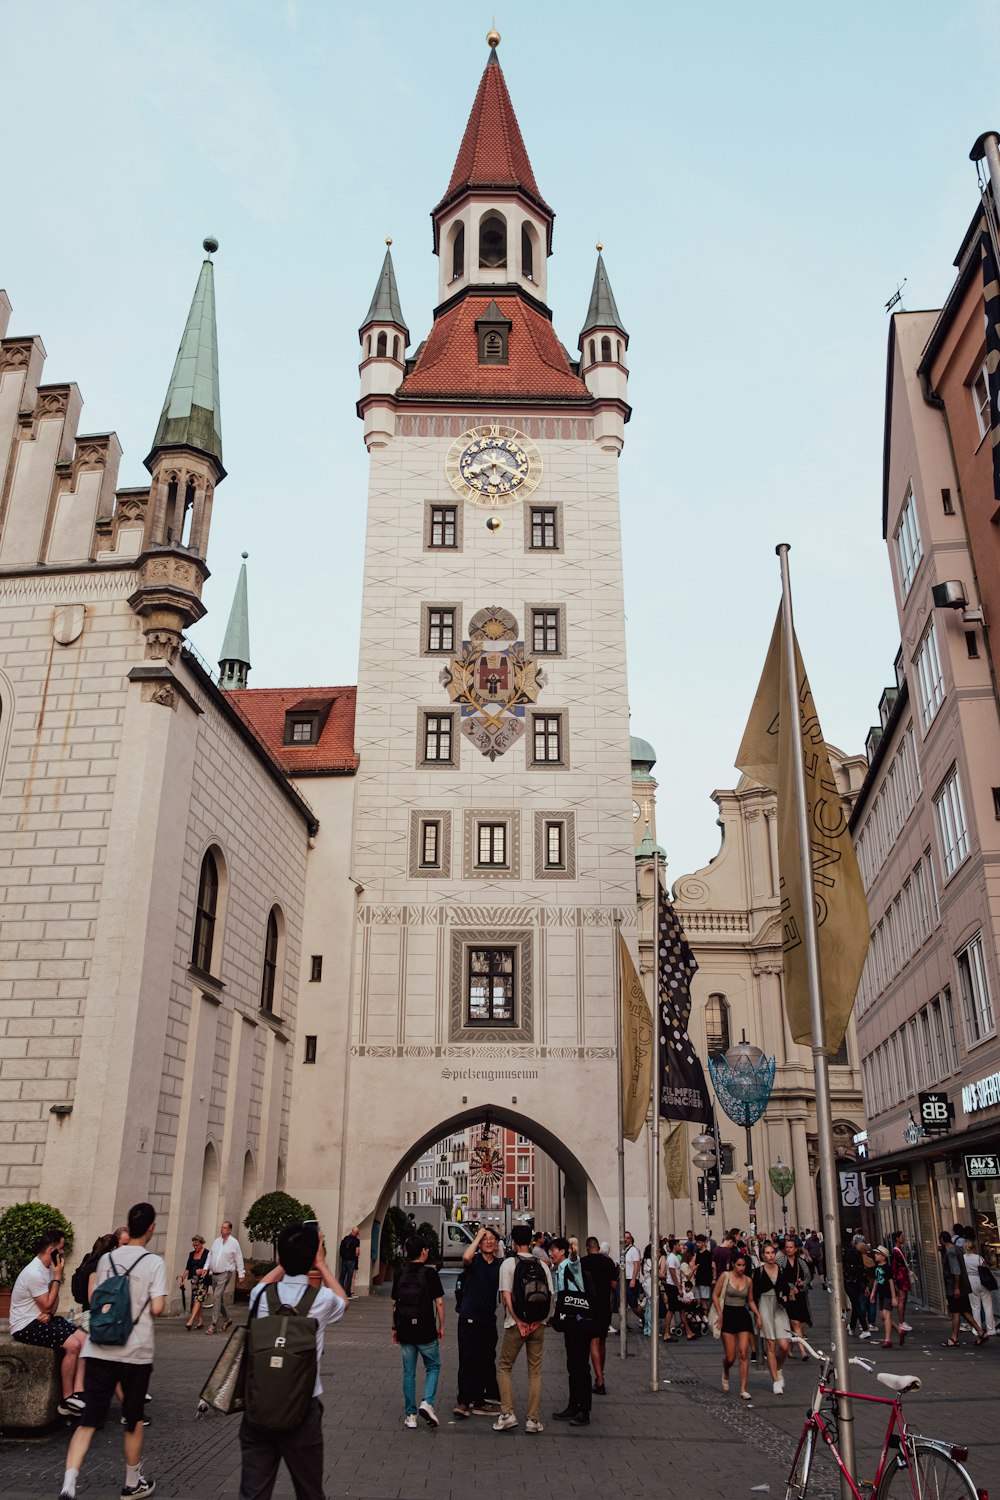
[(797, 1280), (196, 1274), (737, 1313)]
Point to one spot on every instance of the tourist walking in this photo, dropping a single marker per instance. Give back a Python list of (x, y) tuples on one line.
[(738, 1316), (34, 1319), (980, 1292), (573, 1321), (477, 1327), (418, 1328), (633, 1270), (703, 1272), (958, 1290), (526, 1294), (124, 1367), (195, 1273), (601, 1275), (797, 1289), (883, 1298), (899, 1271), (770, 1290), (225, 1262)]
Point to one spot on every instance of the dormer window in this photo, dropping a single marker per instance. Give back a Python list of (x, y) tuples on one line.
[(306, 720), (493, 332)]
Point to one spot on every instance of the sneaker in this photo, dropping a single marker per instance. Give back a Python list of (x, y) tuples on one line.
[(410, 1420), (461, 1411), (428, 1413), (505, 1422), (65, 1409), (725, 1382), (76, 1401), (146, 1422), (531, 1426), (865, 1333), (564, 1415), (778, 1387), (137, 1491), (905, 1328)]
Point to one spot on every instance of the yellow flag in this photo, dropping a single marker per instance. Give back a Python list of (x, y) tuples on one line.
[(675, 1163), (637, 1048), (766, 755)]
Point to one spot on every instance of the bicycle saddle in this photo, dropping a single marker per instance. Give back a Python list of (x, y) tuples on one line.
[(900, 1383)]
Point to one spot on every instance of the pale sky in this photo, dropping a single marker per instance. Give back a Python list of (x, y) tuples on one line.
[(761, 177)]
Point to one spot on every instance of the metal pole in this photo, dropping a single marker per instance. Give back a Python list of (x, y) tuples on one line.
[(751, 1195), (821, 1067), (654, 1196), (619, 1043)]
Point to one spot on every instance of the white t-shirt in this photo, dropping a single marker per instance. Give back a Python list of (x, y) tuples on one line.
[(673, 1269), (148, 1280), (34, 1281), (633, 1262), (507, 1282), (328, 1308)]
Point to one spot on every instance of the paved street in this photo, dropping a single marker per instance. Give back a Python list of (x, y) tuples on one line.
[(687, 1439)]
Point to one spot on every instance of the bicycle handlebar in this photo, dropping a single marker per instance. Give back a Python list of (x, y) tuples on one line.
[(795, 1339)]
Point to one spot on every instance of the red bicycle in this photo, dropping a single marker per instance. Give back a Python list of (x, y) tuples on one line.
[(911, 1467)]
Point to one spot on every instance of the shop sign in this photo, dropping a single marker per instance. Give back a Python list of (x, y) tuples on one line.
[(855, 1189), (983, 1164), (936, 1113), (982, 1094)]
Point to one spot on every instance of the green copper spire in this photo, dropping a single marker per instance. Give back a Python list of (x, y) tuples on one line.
[(191, 413), (234, 662), (603, 310), (385, 306)]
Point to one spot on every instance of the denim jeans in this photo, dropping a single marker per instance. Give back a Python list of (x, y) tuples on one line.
[(431, 1356)]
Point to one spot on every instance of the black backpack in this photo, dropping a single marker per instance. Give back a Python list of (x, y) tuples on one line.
[(414, 1305), (346, 1248), (530, 1295), (281, 1361), (80, 1280)]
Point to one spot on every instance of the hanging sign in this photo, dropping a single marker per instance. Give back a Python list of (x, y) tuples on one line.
[(982, 1164), (936, 1113)]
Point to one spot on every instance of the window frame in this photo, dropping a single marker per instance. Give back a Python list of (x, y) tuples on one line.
[(436, 715), (979, 407), (419, 817), (553, 509), (493, 844), (270, 964), (206, 913), (544, 870), (978, 1011), (536, 718), (452, 516), (929, 676), (551, 620), (908, 542), (725, 1031), (315, 968), (436, 616), (952, 825), (491, 1022)]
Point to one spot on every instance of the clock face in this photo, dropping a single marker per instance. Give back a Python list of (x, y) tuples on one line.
[(636, 812), (493, 465)]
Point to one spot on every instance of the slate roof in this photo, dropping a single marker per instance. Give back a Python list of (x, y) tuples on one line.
[(191, 416), (492, 153), (385, 306), (334, 754), (603, 310), (447, 363)]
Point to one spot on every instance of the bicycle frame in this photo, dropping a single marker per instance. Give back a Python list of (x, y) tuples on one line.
[(897, 1422)]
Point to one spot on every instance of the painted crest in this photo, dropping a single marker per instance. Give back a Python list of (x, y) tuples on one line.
[(492, 681)]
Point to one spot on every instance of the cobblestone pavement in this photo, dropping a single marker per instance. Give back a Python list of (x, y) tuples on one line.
[(689, 1438)]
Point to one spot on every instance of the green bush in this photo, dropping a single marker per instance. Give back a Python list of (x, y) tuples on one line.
[(260, 1268), (396, 1227), (21, 1227), (269, 1215)]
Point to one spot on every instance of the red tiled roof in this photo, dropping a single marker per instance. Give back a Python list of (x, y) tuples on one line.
[(265, 710), (492, 153), (448, 362)]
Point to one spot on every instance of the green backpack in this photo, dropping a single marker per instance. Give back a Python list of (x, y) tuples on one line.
[(281, 1362)]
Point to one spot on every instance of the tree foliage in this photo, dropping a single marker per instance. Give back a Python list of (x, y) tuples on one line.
[(269, 1215), (429, 1235), (21, 1227)]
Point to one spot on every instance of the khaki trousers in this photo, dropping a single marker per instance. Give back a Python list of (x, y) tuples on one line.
[(509, 1350)]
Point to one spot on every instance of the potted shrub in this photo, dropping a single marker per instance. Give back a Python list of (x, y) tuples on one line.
[(264, 1222), (21, 1227)]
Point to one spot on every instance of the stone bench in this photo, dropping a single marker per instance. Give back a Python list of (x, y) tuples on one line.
[(30, 1389)]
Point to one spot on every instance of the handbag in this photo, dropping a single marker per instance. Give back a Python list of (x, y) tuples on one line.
[(572, 1309), (226, 1386), (714, 1321), (987, 1280)]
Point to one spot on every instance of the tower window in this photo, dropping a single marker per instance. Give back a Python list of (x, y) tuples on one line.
[(382, 345), (270, 969), (555, 838), (490, 994), (527, 258), (316, 968), (545, 631), (430, 844), (443, 530), (492, 243), (440, 630), (458, 253), (605, 350), (544, 532), (547, 739), (395, 346), (310, 1052), (593, 352), (368, 346), (205, 911), (717, 1024)]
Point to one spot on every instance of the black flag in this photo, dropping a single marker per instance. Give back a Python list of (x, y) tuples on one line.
[(683, 1091), (991, 299)]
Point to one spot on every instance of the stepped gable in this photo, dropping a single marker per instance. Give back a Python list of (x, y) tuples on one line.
[(334, 754), (447, 364)]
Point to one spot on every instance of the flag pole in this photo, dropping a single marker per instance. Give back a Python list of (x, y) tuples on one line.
[(654, 1196), (821, 1064), (619, 1045)]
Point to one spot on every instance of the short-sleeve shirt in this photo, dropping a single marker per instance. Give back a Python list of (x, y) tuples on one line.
[(148, 1280), (34, 1281), (602, 1273), (721, 1258), (328, 1308), (480, 1285), (633, 1262), (673, 1269), (426, 1328), (507, 1283)]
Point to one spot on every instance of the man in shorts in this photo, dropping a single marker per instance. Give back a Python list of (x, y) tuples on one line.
[(127, 1365), (34, 1320)]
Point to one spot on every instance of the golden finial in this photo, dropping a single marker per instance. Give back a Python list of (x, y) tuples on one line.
[(388, 239), (599, 247), (493, 37)]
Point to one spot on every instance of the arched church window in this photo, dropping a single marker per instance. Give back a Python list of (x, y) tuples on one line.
[(382, 346), (593, 352), (395, 346), (368, 347), (492, 242), (717, 1024), (618, 346), (606, 350), (458, 253), (205, 914), (270, 970), (527, 261), (188, 517)]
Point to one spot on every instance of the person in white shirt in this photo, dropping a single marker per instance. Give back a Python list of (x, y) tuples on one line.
[(300, 1250), (34, 1320), (633, 1269), (127, 1366), (225, 1263)]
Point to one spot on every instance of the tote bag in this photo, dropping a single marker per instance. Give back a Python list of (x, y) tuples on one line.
[(225, 1387)]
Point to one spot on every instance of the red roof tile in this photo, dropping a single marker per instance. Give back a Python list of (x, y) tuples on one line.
[(492, 153), (448, 362), (265, 710)]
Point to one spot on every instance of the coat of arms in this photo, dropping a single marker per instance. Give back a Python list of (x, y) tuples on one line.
[(492, 681)]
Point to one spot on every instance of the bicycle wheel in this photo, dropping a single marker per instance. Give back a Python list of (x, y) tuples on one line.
[(932, 1475), (798, 1479)]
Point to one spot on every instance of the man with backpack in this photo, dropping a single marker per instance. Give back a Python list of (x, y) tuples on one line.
[(526, 1294), (418, 1328), (283, 1416), (129, 1291)]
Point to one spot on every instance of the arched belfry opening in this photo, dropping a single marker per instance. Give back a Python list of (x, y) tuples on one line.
[(493, 242)]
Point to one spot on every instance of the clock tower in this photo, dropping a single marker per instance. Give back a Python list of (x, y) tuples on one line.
[(493, 846)]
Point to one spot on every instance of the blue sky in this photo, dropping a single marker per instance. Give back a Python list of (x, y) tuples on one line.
[(761, 177)]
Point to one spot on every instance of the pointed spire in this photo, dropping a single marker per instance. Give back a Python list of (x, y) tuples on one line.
[(191, 416), (603, 310), (385, 306), (234, 662), (492, 153)]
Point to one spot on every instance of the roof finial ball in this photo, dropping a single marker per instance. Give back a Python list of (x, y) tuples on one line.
[(599, 247), (388, 239), (244, 555), (493, 37), (210, 244)]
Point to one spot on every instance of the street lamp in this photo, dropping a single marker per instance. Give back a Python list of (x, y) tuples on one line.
[(743, 1079), (782, 1180), (705, 1159)]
